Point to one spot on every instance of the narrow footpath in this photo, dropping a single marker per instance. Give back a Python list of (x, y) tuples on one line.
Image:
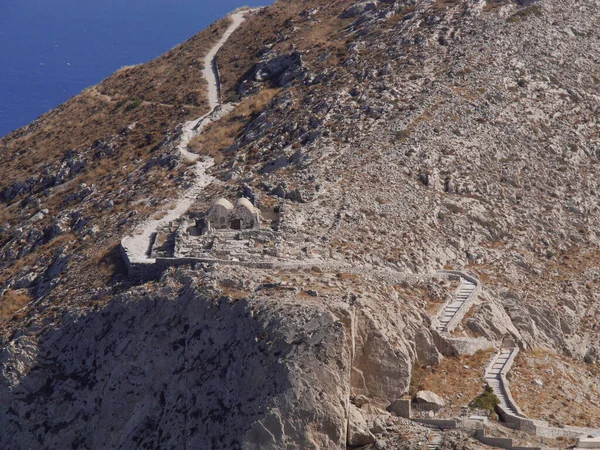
[(137, 247), (501, 363), (466, 291)]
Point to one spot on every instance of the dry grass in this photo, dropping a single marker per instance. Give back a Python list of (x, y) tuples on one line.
[(134, 109), (219, 136), (570, 394), (457, 380), (43, 252), (174, 78), (12, 301), (107, 264), (316, 34)]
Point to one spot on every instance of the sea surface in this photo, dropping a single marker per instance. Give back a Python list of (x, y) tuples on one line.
[(50, 50)]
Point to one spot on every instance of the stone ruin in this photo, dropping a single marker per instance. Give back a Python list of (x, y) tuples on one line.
[(223, 215), (225, 232)]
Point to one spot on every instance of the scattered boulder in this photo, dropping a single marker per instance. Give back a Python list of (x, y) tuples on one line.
[(26, 281), (401, 408), (359, 9), (280, 70), (591, 356), (429, 400), (358, 429)]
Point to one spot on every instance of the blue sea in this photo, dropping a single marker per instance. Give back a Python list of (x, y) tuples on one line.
[(51, 50)]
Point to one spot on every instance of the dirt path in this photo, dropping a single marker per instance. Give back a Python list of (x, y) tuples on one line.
[(137, 247)]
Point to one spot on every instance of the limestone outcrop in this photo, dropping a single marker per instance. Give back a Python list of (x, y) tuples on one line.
[(382, 142)]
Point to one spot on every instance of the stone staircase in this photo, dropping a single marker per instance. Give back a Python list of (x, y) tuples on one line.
[(446, 320), (456, 309), (501, 364), (435, 440)]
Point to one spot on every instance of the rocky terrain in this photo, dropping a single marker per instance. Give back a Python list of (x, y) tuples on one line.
[(400, 138)]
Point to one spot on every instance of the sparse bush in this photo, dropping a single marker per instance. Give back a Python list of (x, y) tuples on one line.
[(486, 400), (402, 135), (133, 104), (12, 301)]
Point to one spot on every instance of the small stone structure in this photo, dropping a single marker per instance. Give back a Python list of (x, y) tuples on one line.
[(219, 214), (224, 216)]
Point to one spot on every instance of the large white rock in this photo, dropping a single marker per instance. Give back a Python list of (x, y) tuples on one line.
[(358, 428), (430, 400)]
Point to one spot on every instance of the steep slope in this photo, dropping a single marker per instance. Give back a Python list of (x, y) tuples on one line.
[(396, 139)]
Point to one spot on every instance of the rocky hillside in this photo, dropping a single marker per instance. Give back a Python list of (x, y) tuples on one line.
[(400, 138)]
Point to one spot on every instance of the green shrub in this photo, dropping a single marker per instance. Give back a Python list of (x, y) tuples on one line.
[(487, 400), (134, 104), (402, 135)]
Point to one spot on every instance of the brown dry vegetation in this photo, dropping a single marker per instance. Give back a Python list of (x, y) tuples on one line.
[(133, 111), (570, 394), (12, 301), (174, 78), (452, 380), (313, 34), (218, 136), (171, 89)]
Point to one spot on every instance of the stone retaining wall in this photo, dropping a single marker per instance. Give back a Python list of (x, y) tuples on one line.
[(505, 443), (439, 423)]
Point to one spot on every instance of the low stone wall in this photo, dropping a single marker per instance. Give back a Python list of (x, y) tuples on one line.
[(493, 441), (439, 423), (540, 428), (505, 443), (125, 257), (506, 384), (589, 443)]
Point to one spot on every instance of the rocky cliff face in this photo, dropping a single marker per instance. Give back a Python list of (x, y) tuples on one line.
[(399, 137), (183, 365)]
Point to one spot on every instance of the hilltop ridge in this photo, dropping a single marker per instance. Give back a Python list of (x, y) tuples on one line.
[(421, 197)]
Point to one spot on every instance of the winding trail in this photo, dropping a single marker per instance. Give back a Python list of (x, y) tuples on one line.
[(137, 247), (465, 292), (453, 311), (500, 365)]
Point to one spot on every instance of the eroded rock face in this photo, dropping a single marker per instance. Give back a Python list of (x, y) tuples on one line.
[(380, 371), (186, 366), (160, 371), (438, 138)]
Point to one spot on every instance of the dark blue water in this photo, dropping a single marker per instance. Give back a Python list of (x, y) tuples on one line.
[(51, 50)]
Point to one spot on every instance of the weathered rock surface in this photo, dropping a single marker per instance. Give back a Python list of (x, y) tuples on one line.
[(186, 366), (150, 370), (429, 400), (399, 138)]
